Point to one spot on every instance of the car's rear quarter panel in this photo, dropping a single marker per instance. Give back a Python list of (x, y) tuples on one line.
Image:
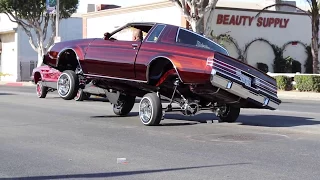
[(79, 46), (190, 64), (189, 61)]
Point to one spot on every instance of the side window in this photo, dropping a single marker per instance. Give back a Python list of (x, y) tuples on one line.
[(156, 33), (189, 38), (124, 34)]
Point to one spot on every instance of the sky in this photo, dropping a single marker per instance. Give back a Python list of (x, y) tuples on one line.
[(124, 3)]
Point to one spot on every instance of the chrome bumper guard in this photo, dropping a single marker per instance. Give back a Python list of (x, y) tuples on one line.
[(239, 90)]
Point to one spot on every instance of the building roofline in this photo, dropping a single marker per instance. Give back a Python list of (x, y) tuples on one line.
[(122, 10), (168, 3), (6, 31)]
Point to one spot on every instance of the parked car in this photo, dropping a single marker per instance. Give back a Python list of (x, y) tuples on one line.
[(46, 79), (170, 63)]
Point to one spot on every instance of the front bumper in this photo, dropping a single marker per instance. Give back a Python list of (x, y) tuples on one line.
[(238, 89)]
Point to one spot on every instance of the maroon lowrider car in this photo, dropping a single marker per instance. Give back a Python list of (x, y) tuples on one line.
[(170, 63), (46, 79)]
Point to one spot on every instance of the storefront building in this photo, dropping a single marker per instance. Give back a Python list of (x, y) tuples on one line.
[(253, 38)]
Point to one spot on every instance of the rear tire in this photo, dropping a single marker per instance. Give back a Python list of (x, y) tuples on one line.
[(68, 85), (231, 115), (41, 90), (150, 109), (124, 106)]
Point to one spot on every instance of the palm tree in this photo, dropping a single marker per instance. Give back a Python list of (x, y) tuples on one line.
[(313, 13)]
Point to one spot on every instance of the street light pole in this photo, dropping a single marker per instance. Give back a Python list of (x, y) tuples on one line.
[(57, 21)]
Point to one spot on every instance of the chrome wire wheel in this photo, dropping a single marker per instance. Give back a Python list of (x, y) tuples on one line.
[(68, 85), (64, 85), (146, 110)]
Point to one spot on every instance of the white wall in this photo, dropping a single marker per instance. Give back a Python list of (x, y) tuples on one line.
[(5, 23), (298, 28), (69, 29), (9, 55), (17, 52), (97, 26)]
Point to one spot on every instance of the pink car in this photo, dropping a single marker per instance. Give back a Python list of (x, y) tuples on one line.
[(46, 79)]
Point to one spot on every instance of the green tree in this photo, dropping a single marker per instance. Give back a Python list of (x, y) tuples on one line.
[(33, 18), (313, 13)]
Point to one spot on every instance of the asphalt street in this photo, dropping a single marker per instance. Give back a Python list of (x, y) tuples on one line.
[(56, 139)]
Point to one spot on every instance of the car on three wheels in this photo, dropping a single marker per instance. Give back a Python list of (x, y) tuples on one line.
[(170, 63)]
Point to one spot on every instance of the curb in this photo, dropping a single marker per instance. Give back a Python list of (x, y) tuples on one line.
[(283, 95), (15, 84)]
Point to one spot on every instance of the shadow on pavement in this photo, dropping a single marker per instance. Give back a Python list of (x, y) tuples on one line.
[(276, 121), (5, 94), (131, 114), (252, 120), (98, 99), (248, 120), (119, 174)]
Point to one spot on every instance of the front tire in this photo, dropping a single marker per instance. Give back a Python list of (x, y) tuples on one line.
[(41, 90), (68, 85), (150, 109), (231, 114), (124, 106)]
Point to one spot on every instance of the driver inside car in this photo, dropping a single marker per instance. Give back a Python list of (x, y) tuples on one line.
[(137, 35)]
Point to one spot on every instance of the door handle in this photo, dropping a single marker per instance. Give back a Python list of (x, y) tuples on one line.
[(135, 46)]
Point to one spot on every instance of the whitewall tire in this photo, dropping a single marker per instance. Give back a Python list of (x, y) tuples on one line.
[(150, 109), (68, 85)]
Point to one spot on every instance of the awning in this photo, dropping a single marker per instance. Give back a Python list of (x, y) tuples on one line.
[(6, 31)]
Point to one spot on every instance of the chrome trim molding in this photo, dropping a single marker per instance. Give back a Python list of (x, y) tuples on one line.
[(240, 91), (239, 80), (110, 77), (148, 66), (273, 86), (230, 71)]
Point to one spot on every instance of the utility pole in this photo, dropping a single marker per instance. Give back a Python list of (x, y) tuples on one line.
[(57, 39)]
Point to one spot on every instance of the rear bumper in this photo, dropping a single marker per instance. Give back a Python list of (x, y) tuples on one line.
[(238, 89)]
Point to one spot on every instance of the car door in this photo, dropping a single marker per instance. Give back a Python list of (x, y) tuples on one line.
[(112, 58)]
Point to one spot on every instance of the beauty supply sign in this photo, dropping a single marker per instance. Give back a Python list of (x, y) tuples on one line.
[(242, 20)]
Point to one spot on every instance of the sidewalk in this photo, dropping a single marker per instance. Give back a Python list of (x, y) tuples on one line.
[(299, 95), (281, 94), (4, 83)]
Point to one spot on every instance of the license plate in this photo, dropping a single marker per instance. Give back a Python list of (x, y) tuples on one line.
[(245, 79)]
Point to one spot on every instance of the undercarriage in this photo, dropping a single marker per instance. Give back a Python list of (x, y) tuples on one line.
[(190, 98), (121, 92)]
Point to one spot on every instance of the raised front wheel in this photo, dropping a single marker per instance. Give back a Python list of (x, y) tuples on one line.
[(150, 109), (68, 85)]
